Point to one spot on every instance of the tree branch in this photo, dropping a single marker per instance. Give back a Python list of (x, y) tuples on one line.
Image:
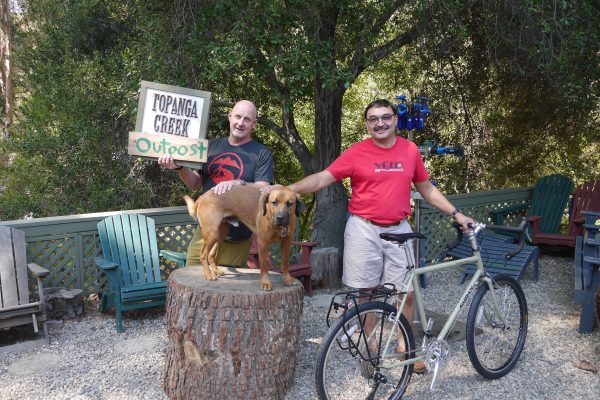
[(361, 58)]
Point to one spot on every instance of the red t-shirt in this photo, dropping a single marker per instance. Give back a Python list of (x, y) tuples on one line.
[(380, 178)]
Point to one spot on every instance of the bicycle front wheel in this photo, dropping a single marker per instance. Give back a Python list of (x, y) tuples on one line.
[(496, 335), (350, 366)]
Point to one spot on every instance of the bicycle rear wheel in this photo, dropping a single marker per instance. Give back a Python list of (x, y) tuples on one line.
[(495, 347), (347, 369)]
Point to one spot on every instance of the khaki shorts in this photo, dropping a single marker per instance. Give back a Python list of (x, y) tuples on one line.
[(231, 254), (370, 261)]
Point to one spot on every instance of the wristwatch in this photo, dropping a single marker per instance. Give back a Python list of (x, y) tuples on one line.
[(456, 211)]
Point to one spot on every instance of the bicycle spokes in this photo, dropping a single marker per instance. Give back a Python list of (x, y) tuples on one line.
[(497, 327)]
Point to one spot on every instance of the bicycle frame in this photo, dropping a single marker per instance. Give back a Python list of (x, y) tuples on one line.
[(413, 276)]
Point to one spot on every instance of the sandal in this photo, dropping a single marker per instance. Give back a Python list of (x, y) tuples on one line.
[(419, 367)]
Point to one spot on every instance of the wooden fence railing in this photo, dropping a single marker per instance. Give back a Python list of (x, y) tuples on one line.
[(67, 245)]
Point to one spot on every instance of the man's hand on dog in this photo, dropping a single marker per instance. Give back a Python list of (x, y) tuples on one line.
[(268, 188), (223, 187)]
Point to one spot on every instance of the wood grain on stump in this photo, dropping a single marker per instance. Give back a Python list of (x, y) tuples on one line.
[(228, 339)]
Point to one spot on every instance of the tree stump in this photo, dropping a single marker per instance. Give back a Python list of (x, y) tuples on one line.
[(325, 267), (63, 303), (228, 339)]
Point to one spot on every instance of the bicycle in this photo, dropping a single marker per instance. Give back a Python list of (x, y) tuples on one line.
[(370, 349)]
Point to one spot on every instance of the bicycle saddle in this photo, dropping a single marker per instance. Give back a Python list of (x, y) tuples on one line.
[(401, 237)]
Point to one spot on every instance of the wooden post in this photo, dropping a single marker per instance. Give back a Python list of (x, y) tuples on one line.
[(228, 339), (598, 307), (325, 266)]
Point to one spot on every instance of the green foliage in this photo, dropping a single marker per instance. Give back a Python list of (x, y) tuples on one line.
[(67, 152), (516, 83)]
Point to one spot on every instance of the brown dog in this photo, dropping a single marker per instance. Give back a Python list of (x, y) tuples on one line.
[(271, 216)]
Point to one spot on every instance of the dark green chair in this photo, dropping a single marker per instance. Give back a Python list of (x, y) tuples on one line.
[(131, 263), (585, 197), (494, 249), (548, 202)]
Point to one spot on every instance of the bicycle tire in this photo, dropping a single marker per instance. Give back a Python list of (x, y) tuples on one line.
[(494, 348), (342, 372)]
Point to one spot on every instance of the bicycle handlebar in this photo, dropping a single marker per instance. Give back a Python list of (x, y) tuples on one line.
[(521, 230)]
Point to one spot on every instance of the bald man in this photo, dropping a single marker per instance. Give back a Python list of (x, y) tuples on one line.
[(232, 160)]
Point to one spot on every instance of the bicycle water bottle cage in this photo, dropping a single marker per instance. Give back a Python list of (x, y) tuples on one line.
[(400, 238)]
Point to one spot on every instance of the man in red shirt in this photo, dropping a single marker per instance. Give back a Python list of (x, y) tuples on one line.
[(381, 170)]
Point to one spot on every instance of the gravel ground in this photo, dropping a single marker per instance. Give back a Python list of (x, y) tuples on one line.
[(88, 360)]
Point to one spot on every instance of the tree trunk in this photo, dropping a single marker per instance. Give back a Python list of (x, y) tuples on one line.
[(6, 86), (228, 339), (332, 202)]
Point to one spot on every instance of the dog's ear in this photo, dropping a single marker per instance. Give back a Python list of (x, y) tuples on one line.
[(265, 201), (299, 206)]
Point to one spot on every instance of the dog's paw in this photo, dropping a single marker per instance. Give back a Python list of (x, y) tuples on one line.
[(216, 271), (211, 277), (209, 274), (266, 285), (289, 280)]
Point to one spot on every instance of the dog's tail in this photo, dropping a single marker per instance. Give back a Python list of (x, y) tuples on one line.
[(190, 206)]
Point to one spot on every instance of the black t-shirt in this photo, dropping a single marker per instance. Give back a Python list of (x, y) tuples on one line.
[(251, 162)]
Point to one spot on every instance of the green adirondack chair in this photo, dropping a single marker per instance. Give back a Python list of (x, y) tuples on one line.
[(131, 263), (548, 201), (585, 197)]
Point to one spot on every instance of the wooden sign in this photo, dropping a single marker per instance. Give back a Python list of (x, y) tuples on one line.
[(171, 120)]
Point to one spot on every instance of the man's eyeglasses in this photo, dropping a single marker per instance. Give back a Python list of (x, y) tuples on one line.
[(384, 118)]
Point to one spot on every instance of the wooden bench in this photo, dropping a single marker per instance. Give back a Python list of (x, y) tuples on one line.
[(587, 270), (16, 306), (494, 249)]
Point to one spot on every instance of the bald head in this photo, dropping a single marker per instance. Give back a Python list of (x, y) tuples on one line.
[(246, 107), (242, 120)]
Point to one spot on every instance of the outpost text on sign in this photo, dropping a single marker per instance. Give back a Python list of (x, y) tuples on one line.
[(152, 145)]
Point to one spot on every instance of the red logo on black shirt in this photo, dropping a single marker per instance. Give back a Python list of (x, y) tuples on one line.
[(225, 167)]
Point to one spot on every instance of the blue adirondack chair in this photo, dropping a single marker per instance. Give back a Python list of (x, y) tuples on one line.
[(131, 263), (548, 202)]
